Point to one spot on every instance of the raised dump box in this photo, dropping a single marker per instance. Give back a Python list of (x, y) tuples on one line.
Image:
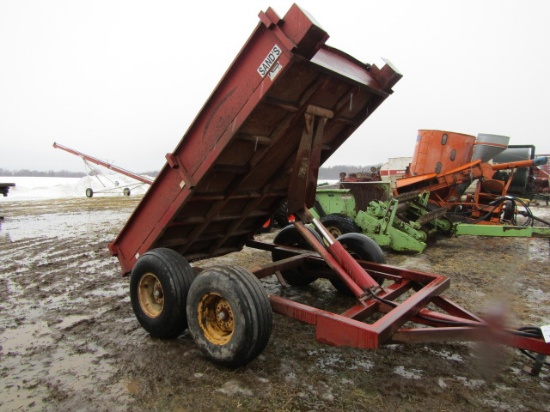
[(232, 168), (284, 106)]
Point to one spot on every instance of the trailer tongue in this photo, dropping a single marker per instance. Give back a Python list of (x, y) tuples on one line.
[(284, 106)]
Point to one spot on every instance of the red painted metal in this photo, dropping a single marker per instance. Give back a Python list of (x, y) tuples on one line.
[(449, 323), (234, 165), (285, 105), (104, 164)]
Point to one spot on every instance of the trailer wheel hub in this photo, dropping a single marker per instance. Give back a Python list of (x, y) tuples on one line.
[(151, 295), (216, 318)]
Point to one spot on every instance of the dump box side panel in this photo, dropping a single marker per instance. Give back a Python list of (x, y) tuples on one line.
[(241, 85), (231, 169)]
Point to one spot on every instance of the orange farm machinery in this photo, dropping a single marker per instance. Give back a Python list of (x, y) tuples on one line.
[(462, 176)]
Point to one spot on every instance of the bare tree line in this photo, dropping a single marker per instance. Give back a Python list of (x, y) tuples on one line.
[(332, 172)]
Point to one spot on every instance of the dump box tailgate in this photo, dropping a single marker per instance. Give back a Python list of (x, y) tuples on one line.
[(232, 168)]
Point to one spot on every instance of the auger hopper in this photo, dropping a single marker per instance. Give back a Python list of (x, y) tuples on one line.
[(286, 103)]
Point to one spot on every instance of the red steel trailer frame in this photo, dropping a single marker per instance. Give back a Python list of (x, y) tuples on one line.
[(287, 102)]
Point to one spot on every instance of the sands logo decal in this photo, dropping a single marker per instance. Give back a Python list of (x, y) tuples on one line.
[(269, 64)]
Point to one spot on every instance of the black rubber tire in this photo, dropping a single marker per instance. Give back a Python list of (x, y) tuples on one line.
[(126, 191), (229, 315), (508, 211), (281, 215), (338, 224), (289, 236), (164, 272), (361, 247), (89, 192)]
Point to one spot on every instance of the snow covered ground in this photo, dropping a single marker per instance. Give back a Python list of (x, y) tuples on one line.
[(37, 188)]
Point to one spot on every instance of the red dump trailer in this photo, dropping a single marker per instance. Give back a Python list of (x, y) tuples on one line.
[(286, 103)]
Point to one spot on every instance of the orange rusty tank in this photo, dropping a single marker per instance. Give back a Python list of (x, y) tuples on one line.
[(438, 151)]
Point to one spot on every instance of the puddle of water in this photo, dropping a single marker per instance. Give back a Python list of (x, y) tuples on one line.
[(22, 398), (23, 337), (70, 321), (38, 361), (85, 366), (121, 290), (63, 301), (62, 225)]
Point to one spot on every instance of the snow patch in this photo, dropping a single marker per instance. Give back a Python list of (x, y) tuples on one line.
[(408, 374), (496, 405), (471, 383), (233, 387), (362, 364), (39, 188), (447, 355)]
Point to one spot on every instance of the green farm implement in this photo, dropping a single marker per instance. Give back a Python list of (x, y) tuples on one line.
[(403, 223)]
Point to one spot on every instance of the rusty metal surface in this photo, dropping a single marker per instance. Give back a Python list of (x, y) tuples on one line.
[(232, 168)]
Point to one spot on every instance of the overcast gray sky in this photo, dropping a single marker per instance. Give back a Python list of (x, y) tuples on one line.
[(122, 80)]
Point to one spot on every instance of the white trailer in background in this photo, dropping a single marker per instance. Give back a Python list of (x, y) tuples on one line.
[(394, 169)]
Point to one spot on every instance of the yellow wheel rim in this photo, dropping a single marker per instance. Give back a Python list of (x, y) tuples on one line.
[(216, 318), (150, 295), (334, 231)]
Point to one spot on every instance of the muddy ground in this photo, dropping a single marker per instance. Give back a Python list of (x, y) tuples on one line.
[(69, 340)]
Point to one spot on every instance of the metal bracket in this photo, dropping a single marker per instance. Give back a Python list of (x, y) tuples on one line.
[(303, 181), (175, 164)]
